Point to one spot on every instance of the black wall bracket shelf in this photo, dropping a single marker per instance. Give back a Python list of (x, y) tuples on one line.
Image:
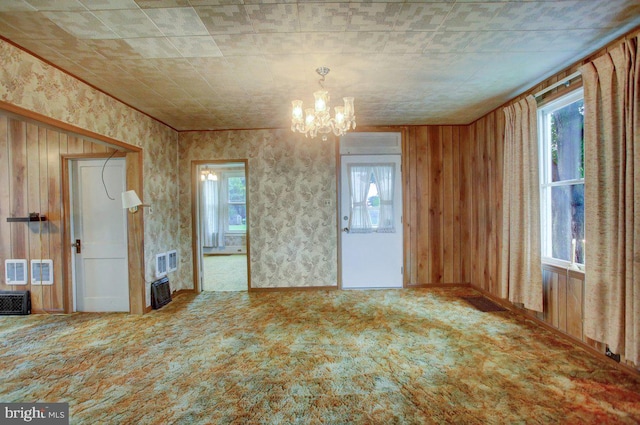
[(30, 218)]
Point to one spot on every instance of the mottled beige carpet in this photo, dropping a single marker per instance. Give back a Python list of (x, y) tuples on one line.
[(332, 357), (225, 272)]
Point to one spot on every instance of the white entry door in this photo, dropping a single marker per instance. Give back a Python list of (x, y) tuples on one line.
[(371, 221), (99, 232)]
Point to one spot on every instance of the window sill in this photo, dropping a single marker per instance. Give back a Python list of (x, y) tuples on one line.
[(559, 266)]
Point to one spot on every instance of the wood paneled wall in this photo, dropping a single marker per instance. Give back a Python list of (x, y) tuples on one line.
[(30, 181), (436, 187)]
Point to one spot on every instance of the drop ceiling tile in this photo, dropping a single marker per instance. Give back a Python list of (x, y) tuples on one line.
[(490, 41), (149, 4), (82, 25), (538, 15), (75, 49), (113, 49), (238, 44), (103, 68), (109, 4), (16, 6), (128, 23), (373, 16), (323, 16), (422, 16), (177, 22), (40, 48), (140, 68), (173, 66), (252, 1), (322, 42), (365, 42), (449, 41), (59, 5), (11, 32), (280, 43), (572, 40), (541, 41), (38, 27), (273, 17), (227, 19), (604, 14), (196, 47), (153, 47), (471, 16), (195, 3)]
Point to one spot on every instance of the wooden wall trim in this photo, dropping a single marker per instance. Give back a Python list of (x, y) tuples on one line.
[(438, 285), (26, 114), (295, 289)]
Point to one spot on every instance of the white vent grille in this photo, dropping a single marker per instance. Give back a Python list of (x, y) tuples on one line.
[(381, 143), (161, 265), (172, 259), (15, 272), (42, 272)]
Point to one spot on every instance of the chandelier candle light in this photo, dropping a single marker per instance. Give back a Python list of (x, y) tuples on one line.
[(318, 119)]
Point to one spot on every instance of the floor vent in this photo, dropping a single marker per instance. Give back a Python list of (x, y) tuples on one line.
[(160, 293), (15, 302), (483, 304)]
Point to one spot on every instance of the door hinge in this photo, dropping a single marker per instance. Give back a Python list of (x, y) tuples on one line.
[(401, 270)]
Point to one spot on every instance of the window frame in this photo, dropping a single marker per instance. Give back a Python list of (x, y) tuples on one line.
[(546, 178), (227, 176)]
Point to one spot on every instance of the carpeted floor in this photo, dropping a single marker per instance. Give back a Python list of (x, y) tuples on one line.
[(334, 357), (225, 272)]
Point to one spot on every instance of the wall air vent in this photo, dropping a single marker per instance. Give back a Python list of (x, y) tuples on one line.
[(161, 265), (42, 272), (15, 272), (172, 259)]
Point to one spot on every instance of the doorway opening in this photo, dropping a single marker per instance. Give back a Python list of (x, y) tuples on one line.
[(371, 237), (222, 225)]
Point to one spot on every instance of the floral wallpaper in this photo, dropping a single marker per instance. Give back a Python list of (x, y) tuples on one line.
[(29, 83), (292, 233)]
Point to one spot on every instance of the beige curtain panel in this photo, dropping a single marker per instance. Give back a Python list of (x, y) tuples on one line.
[(521, 271), (612, 199)]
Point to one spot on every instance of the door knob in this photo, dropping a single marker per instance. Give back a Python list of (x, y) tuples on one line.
[(77, 246)]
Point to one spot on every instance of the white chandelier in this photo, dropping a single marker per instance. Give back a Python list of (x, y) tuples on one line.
[(318, 119)]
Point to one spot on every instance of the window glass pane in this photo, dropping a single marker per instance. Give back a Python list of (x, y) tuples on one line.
[(373, 203), (237, 218), (236, 189), (567, 144), (567, 211)]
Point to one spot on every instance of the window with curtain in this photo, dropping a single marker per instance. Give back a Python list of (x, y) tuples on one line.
[(372, 195), (561, 143), (236, 202)]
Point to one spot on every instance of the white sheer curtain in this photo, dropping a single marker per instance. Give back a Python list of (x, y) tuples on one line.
[(212, 217), (384, 174), (208, 212), (359, 179)]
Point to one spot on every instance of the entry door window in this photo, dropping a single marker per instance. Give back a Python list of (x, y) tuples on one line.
[(371, 189)]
